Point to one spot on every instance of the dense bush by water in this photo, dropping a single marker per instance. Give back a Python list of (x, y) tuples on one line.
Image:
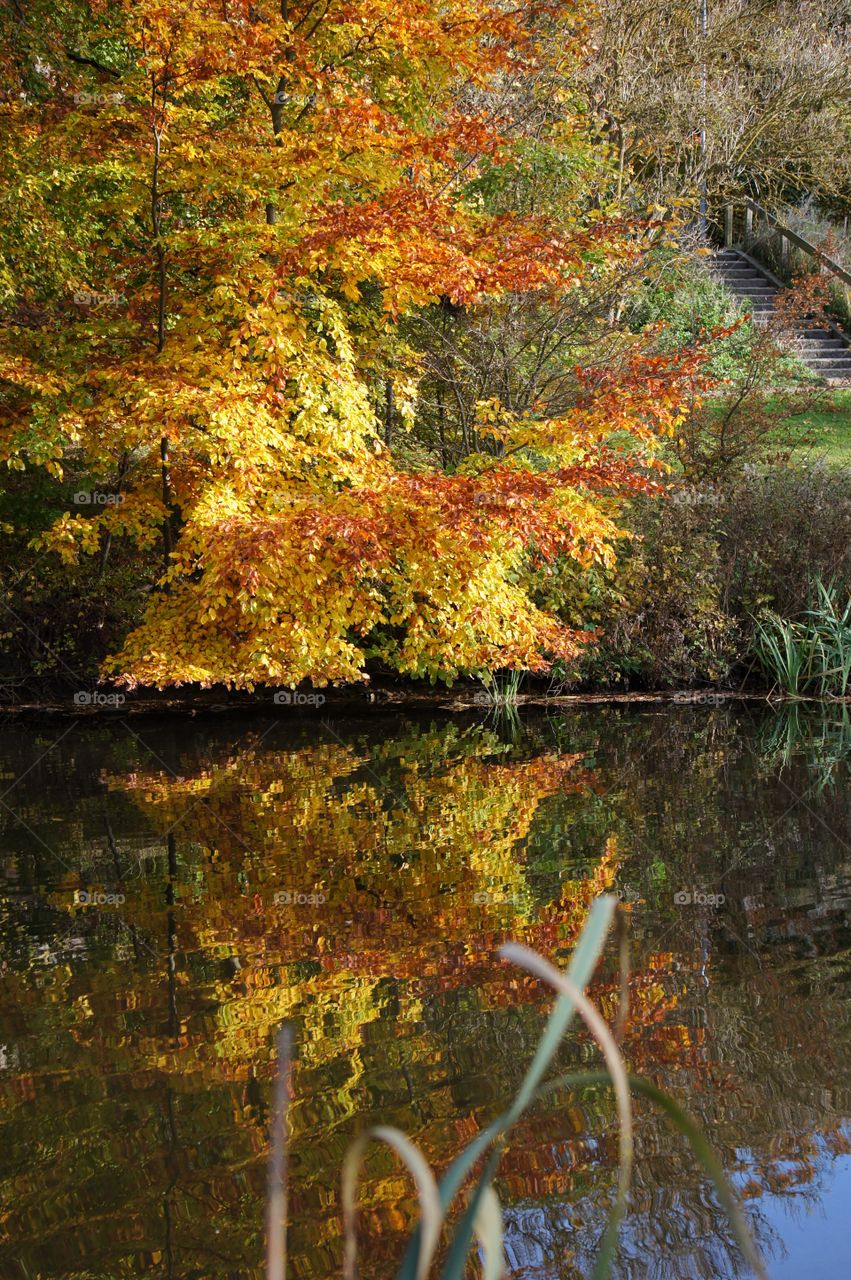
[(681, 605)]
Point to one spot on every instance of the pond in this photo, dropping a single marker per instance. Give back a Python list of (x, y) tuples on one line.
[(175, 889)]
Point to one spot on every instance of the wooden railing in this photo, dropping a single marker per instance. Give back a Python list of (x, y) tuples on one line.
[(788, 237)]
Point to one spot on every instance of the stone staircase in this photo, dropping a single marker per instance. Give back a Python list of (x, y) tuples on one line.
[(822, 350)]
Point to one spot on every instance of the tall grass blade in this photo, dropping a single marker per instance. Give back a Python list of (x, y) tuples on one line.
[(456, 1261), (811, 655), (583, 962), (488, 1227), (277, 1175), (598, 1027), (706, 1156), (697, 1141), (482, 1216), (431, 1214)]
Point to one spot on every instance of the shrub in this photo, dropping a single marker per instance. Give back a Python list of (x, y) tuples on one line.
[(782, 529), (758, 380), (679, 606)]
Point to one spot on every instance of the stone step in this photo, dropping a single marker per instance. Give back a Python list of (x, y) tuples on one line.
[(817, 349), (824, 354), (733, 264), (733, 270), (817, 352), (822, 340), (827, 362)]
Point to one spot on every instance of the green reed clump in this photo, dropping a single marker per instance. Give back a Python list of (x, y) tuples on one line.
[(502, 689), (479, 1218), (811, 655), (822, 741)]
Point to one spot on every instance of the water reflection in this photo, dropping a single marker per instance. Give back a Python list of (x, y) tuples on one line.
[(172, 891)]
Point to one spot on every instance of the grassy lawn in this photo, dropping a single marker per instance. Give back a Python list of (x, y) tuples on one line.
[(826, 429), (820, 432)]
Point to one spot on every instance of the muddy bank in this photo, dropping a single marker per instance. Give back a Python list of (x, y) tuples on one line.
[(103, 701)]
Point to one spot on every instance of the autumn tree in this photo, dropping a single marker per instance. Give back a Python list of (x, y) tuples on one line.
[(758, 102), (523, 349), (220, 218)]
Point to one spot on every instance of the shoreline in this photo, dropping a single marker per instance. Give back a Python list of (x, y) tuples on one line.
[(344, 701)]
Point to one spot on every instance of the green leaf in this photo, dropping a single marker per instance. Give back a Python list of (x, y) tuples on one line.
[(457, 1258), (697, 1141), (583, 962)]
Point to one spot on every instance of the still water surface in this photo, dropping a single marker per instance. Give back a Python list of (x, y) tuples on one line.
[(356, 878)]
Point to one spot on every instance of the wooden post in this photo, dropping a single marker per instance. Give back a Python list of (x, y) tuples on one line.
[(728, 227), (784, 250), (748, 224)]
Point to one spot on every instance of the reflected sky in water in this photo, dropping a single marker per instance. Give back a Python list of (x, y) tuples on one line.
[(812, 1230)]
